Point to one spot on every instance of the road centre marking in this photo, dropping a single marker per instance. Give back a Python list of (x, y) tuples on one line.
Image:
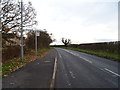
[(112, 72), (72, 74), (60, 55), (86, 60)]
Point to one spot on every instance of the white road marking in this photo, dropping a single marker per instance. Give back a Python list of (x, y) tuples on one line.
[(112, 72), (86, 59), (67, 79), (64, 71), (55, 68), (12, 83), (72, 74), (101, 69), (75, 54), (54, 73), (69, 83), (60, 55)]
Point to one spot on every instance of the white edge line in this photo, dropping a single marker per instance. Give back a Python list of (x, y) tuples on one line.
[(54, 73), (112, 72), (55, 68)]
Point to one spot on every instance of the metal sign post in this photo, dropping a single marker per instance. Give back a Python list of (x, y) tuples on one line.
[(36, 43), (37, 33), (21, 43)]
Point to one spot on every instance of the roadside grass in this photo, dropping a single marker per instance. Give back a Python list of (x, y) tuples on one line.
[(42, 51), (3, 48), (16, 63), (101, 53)]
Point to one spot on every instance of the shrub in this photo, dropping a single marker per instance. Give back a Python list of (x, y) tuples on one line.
[(43, 41), (10, 53)]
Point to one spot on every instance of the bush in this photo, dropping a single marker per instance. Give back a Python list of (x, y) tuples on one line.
[(43, 41), (111, 47), (10, 53)]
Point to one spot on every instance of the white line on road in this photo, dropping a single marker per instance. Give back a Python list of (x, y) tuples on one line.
[(78, 56), (60, 55), (112, 72), (72, 74), (69, 83), (12, 83), (55, 68), (66, 76), (86, 59), (54, 73)]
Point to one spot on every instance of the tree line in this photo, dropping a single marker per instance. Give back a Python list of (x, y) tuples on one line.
[(11, 24)]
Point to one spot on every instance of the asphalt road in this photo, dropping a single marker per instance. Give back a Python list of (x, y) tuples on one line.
[(36, 74), (80, 70), (73, 70)]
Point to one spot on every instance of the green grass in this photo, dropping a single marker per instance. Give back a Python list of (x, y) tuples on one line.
[(98, 53), (8, 67), (3, 48), (40, 51)]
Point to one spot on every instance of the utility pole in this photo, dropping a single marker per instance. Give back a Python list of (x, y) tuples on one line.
[(36, 42), (21, 43)]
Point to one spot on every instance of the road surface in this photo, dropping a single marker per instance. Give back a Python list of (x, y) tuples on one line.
[(80, 70), (36, 74), (73, 69)]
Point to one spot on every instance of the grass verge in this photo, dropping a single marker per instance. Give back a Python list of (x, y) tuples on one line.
[(101, 53), (14, 64)]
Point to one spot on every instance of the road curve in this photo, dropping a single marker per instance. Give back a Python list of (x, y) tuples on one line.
[(80, 70)]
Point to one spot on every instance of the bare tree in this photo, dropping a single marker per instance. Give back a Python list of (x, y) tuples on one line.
[(11, 15), (66, 41)]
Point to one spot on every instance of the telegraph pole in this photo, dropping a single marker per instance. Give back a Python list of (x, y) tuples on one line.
[(36, 42), (21, 43)]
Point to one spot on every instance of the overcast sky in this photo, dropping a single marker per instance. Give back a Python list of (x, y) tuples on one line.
[(82, 21)]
